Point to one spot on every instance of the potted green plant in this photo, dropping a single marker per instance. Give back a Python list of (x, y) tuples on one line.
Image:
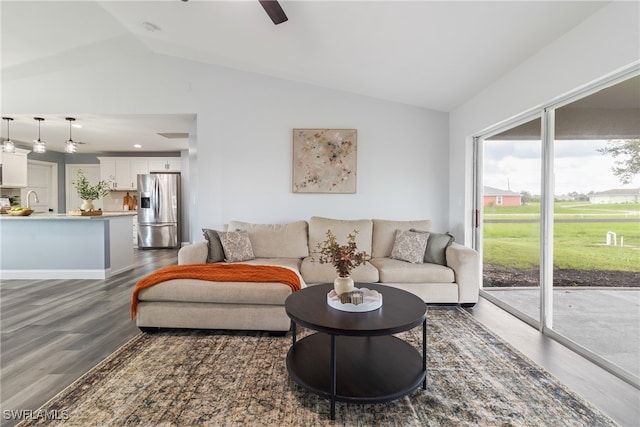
[(88, 193)]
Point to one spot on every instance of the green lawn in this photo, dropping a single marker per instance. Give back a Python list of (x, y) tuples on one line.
[(577, 245), (565, 210)]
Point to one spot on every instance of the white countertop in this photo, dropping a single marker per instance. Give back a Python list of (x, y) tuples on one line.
[(64, 216)]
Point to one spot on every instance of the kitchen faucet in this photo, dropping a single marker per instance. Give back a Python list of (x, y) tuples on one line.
[(29, 198)]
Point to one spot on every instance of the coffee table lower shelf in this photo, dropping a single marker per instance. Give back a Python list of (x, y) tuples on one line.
[(367, 369)]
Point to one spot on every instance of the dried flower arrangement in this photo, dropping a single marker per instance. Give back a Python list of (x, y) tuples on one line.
[(343, 257)]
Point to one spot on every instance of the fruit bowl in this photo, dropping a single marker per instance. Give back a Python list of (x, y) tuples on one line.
[(23, 212)]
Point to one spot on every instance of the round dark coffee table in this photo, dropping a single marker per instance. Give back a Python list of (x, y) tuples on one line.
[(354, 358)]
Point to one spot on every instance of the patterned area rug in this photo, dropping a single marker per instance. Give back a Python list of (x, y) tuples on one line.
[(218, 378)]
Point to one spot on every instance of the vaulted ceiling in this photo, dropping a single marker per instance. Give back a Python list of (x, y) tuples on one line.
[(430, 54)]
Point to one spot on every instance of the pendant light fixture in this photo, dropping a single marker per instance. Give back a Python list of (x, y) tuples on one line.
[(39, 146), (71, 145), (8, 146)]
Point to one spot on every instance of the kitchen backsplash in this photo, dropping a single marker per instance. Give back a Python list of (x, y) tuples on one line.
[(115, 199), (13, 194)]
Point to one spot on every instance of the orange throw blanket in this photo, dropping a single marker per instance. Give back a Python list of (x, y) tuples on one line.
[(217, 273)]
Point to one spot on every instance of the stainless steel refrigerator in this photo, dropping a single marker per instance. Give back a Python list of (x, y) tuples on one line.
[(159, 210)]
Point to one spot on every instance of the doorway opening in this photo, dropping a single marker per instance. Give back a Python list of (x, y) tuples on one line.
[(42, 177)]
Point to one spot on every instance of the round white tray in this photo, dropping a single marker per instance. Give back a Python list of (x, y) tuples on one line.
[(372, 300)]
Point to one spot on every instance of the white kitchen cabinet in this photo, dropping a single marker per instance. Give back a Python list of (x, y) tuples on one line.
[(14, 168), (169, 164), (138, 166), (108, 170), (123, 175), (123, 170), (116, 170)]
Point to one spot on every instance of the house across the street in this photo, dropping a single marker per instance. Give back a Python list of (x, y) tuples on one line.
[(496, 197), (619, 195)]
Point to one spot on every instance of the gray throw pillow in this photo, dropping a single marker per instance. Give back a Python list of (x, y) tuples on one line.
[(216, 253), (410, 246), (437, 245), (236, 245)]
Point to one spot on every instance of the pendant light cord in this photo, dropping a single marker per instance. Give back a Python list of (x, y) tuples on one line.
[(70, 144)]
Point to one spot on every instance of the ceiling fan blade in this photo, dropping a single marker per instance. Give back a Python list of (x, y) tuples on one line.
[(274, 10)]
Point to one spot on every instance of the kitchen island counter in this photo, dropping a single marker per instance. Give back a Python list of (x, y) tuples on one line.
[(61, 246), (63, 216)]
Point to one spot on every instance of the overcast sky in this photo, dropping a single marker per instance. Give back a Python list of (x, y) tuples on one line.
[(515, 165)]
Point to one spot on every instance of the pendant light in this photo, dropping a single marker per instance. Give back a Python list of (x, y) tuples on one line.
[(39, 146), (71, 146), (8, 146)]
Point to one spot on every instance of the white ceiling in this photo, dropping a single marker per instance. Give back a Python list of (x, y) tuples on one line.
[(431, 54)]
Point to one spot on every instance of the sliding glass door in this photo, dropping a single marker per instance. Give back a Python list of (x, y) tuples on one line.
[(511, 218), (559, 203), (596, 241)]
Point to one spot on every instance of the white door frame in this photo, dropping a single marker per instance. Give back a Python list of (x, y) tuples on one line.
[(547, 114), (53, 183)]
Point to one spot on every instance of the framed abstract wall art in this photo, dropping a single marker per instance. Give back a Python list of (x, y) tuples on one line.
[(324, 160)]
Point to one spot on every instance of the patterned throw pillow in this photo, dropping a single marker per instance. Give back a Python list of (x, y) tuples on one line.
[(410, 246), (236, 245)]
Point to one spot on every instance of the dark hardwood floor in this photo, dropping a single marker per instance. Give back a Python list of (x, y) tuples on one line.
[(616, 398), (53, 331)]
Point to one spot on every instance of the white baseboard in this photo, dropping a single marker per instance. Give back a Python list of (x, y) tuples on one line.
[(52, 274)]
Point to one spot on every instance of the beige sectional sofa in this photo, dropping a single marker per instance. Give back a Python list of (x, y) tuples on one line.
[(191, 303)]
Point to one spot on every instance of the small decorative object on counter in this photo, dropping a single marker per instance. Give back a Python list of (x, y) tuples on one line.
[(19, 211), (343, 257), (87, 205), (4, 204), (84, 213), (128, 203)]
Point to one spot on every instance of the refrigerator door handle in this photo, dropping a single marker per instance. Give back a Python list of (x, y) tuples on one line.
[(156, 206)]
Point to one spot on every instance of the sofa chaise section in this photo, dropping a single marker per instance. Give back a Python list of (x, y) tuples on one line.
[(198, 304)]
